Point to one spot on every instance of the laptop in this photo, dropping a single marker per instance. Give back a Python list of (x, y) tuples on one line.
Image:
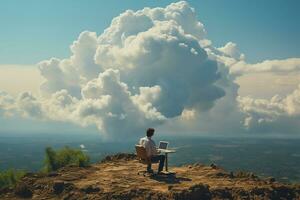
[(163, 145)]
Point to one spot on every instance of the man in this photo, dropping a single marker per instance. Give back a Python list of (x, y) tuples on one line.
[(151, 150)]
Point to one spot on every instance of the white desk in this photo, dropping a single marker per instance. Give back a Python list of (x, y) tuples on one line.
[(166, 152)]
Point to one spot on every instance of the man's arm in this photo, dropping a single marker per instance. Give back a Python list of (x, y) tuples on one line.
[(141, 142), (148, 149), (154, 148)]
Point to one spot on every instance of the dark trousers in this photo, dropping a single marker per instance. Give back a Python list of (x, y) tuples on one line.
[(155, 159)]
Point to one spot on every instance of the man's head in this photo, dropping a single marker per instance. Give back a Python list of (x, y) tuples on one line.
[(150, 132)]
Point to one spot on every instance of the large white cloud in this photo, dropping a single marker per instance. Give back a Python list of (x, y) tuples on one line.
[(6, 104), (278, 114), (148, 66), (154, 67), (231, 56), (123, 113), (71, 73), (289, 65), (167, 56)]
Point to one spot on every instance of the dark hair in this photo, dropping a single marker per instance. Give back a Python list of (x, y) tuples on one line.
[(150, 132)]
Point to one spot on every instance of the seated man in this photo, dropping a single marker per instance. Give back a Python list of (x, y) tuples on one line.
[(151, 151)]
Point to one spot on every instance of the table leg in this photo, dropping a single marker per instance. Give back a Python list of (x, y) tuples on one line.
[(166, 154)]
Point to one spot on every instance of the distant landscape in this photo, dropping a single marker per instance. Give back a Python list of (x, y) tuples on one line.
[(276, 157)]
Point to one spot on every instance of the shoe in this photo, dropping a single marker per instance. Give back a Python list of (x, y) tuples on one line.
[(150, 171), (160, 173)]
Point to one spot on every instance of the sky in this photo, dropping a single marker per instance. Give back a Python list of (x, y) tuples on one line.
[(34, 30), (92, 64)]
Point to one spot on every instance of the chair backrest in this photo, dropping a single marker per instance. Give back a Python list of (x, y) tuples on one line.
[(141, 152)]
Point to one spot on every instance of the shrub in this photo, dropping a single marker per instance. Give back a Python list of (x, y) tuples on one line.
[(64, 157), (10, 177)]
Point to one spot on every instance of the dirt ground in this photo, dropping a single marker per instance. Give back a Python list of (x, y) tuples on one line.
[(122, 177)]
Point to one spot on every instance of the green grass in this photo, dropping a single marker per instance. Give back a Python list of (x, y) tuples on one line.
[(56, 159), (9, 178)]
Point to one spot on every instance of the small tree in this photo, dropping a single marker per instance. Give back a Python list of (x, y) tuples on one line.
[(10, 177), (64, 157), (50, 162)]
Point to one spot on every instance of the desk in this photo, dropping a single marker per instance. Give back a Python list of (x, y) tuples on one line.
[(166, 152)]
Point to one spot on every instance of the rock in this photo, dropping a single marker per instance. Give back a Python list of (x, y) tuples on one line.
[(23, 190), (90, 189), (221, 193), (196, 192), (258, 191), (58, 187), (52, 174), (240, 193), (271, 179), (283, 192), (5, 190), (213, 166)]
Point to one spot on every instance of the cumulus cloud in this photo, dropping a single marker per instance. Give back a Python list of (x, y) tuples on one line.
[(29, 105), (71, 73), (147, 67), (152, 67), (6, 103), (167, 56), (278, 114), (231, 50), (59, 74), (123, 111), (285, 66), (233, 59)]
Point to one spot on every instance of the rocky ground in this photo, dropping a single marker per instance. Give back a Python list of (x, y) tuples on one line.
[(118, 177)]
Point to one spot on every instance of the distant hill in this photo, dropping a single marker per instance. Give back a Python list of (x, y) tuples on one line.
[(118, 177)]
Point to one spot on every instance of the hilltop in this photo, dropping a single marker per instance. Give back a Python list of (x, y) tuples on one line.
[(118, 177)]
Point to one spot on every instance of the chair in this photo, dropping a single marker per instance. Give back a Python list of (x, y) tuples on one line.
[(142, 157)]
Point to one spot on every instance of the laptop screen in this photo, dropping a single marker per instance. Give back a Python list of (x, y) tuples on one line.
[(163, 145)]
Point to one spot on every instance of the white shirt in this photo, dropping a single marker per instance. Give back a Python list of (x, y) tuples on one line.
[(149, 145)]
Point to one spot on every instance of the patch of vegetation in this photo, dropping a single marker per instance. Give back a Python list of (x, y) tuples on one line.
[(55, 159), (243, 174), (9, 178)]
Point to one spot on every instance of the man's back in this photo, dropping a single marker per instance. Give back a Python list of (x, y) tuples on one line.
[(143, 140), (149, 145)]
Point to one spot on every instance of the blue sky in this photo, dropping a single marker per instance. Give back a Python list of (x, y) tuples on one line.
[(35, 30)]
